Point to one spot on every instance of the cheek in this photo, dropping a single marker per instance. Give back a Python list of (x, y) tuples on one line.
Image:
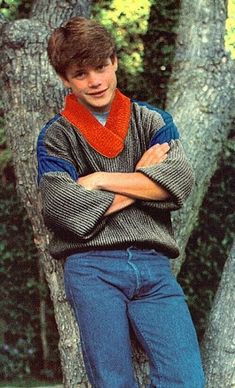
[(113, 78), (78, 88)]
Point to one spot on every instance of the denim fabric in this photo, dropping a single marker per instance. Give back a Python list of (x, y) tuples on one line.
[(113, 290)]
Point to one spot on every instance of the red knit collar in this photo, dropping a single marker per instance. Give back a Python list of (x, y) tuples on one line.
[(108, 140)]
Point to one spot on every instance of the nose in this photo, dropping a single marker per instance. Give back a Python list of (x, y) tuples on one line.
[(94, 80)]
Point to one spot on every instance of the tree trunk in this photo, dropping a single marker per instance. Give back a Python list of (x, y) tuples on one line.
[(218, 346), (42, 317), (32, 94), (200, 97)]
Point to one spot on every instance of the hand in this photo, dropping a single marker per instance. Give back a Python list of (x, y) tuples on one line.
[(91, 181), (155, 154)]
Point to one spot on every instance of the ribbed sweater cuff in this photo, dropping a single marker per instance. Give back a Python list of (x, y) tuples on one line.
[(174, 174)]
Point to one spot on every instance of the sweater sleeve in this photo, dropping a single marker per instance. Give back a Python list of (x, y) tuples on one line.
[(67, 207), (175, 173)]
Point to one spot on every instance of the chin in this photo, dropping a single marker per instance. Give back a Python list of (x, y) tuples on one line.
[(102, 105)]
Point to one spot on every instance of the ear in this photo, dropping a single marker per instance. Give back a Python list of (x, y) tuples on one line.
[(115, 63)]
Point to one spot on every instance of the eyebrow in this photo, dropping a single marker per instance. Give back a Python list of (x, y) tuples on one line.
[(84, 69), (79, 70)]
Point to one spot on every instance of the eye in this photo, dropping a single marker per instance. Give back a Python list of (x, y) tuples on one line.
[(80, 75)]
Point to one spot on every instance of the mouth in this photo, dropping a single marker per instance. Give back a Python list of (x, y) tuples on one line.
[(98, 94)]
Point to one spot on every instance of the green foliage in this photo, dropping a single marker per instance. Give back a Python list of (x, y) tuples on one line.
[(18, 311), (9, 8), (20, 346), (5, 158), (159, 43), (5, 152), (6, 166), (14, 9), (230, 29), (210, 243), (145, 33), (20, 288), (129, 20)]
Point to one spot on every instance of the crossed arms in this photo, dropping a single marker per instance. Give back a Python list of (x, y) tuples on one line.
[(128, 187), (162, 180)]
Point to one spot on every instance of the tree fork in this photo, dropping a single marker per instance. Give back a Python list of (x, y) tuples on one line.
[(32, 94)]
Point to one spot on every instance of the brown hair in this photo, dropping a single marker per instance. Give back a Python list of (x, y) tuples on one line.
[(81, 42)]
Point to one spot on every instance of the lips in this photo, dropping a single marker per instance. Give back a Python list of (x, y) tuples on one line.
[(98, 94)]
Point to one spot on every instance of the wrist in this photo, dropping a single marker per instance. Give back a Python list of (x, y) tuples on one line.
[(101, 179)]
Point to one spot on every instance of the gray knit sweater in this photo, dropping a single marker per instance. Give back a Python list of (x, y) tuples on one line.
[(75, 215)]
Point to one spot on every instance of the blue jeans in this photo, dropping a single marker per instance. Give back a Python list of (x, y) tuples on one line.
[(113, 290)]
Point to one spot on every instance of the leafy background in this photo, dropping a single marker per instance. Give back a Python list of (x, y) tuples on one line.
[(145, 36)]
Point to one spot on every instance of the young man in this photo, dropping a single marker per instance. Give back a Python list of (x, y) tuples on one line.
[(110, 172)]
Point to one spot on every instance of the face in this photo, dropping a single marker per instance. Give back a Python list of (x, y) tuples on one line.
[(94, 87)]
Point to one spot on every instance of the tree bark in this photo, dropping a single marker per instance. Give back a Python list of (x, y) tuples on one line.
[(42, 317), (32, 94), (200, 97), (218, 348)]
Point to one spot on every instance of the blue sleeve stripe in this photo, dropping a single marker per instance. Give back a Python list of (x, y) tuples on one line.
[(165, 134), (48, 163), (168, 132), (44, 129)]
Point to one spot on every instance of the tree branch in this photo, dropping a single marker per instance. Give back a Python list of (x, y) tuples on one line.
[(200, 97), (53, 12)]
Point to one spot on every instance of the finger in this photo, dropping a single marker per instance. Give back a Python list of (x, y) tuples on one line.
[(157, 147), (154, 154), (165, 147), (157, 152), (164, 158)]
